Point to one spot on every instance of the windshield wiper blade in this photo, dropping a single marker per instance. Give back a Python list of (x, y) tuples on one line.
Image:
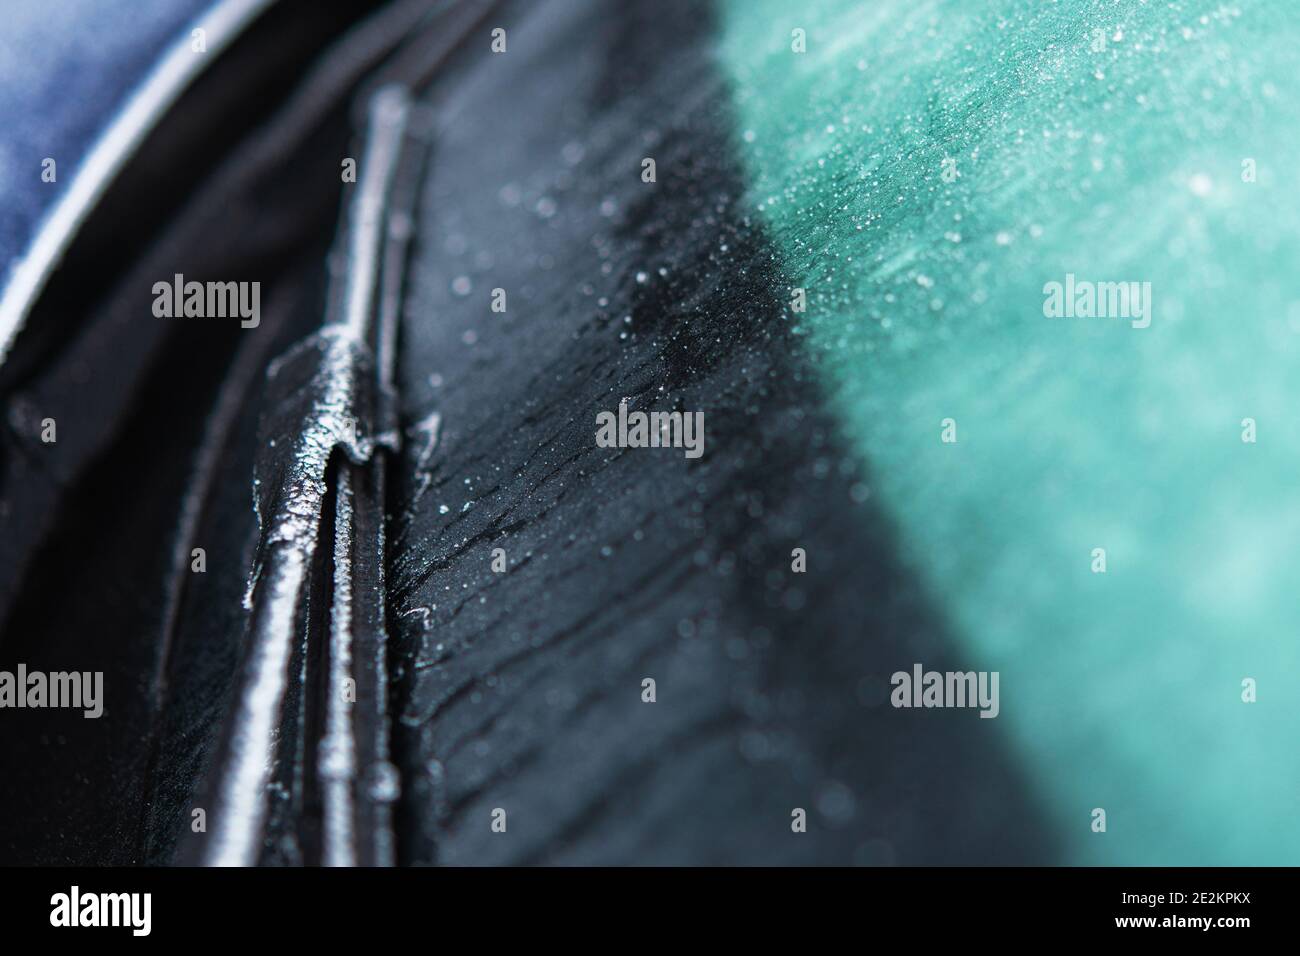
[(314, 673)]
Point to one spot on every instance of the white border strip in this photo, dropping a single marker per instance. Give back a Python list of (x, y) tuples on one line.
[(115, 146)]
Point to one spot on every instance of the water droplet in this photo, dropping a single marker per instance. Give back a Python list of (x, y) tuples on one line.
[(385, 783), (335, 758)]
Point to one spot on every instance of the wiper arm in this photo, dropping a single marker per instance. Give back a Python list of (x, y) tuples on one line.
[(315, 647)]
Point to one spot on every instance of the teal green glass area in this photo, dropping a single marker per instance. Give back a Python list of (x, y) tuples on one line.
[(925, 169)]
